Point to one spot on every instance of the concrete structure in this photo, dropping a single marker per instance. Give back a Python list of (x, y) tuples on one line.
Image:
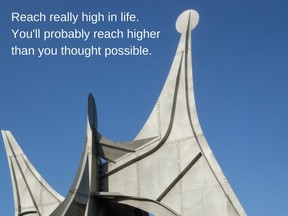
[(167, 170)]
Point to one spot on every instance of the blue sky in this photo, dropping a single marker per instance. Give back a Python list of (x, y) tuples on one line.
[(240, 51)]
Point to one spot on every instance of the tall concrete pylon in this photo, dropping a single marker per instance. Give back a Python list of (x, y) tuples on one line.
[(168, 169)]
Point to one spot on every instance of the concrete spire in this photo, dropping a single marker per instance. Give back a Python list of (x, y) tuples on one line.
[(177, 168)]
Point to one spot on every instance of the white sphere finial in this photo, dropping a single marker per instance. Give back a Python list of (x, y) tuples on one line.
[(188, 16)]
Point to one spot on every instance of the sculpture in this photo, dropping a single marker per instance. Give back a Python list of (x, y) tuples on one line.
[(167, 170)]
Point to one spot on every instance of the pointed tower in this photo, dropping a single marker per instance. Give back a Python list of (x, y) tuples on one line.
[(167, 170), (175, 171)]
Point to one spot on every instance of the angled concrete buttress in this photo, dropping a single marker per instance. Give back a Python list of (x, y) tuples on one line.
[(167, 170), (32, 194)]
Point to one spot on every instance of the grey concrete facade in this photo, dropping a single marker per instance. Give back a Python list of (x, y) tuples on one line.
[(168, 169)]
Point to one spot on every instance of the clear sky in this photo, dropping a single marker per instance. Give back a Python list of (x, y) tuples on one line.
[(240, 64)]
